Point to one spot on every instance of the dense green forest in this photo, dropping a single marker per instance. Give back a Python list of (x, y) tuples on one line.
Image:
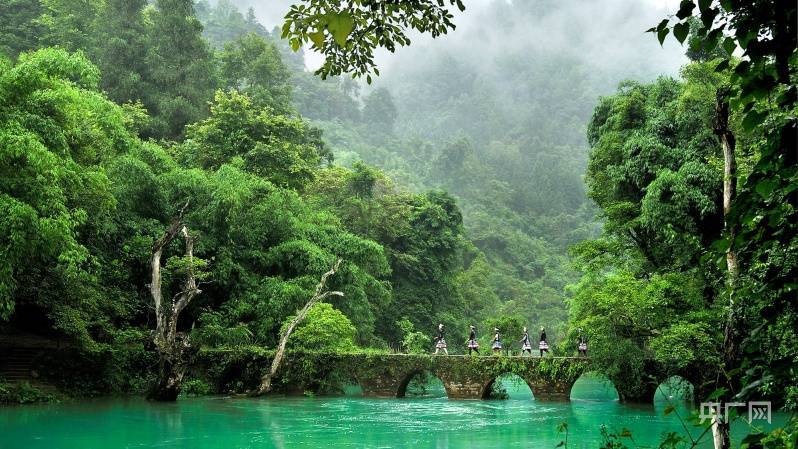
[(107, 134), (163, 63), (526, 187), (153, 69), (494, 129)]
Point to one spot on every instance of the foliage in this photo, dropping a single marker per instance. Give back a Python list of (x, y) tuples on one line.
[(222, 22), (195, 387), (23, 393), (413, 342), (181, 71), (253, 65), (422, 238), (647, 293), (120, 50), (20, 31), (348, 33), (282, 149), (56, 130), (323, 329), (379, 110), (765, 212), (87, 207)]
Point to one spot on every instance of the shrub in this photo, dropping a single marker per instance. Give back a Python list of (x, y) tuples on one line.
[(195, 387)]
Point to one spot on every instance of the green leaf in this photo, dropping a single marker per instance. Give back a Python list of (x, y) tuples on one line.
[(722, 65), (766, 187), (685, 9), (703, 5), (680, 31), (317, 38), (753, 119), (716, 394), (340, 25), (729, 45), (661, 34), (668, 410), (742, 67), (625, 433), (662, 25), (295, 44)]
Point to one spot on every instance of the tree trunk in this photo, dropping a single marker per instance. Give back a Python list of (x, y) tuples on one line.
[(266, 381), (172, 346), (720, 425)]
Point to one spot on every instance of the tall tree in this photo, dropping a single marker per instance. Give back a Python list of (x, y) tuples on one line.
[(120, 49), (379, 110), (21, 29), (182, 73), (253, 65), (282, 149), (68, 23), (764, 90)]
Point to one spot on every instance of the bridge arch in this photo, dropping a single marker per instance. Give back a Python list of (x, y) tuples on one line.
[(421, 379), (674, 388), (509, 376), (594, 386)]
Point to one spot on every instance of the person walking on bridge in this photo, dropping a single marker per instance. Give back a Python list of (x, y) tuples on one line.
[(497, 341), (472, 341), (544, 345), (525, 344), (582, 344), (441, 342)]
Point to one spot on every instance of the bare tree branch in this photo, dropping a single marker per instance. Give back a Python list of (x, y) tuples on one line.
[(171, 349), (266, 381)]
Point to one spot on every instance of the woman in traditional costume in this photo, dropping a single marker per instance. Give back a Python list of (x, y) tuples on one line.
[(472, 341), (497, 341), (544, 345), (441, 342), (525, 344), (582, 344)]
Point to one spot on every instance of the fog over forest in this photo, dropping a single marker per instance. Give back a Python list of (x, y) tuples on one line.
[(495, 113)]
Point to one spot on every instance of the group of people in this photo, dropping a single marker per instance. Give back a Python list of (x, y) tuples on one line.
[(526, 343)]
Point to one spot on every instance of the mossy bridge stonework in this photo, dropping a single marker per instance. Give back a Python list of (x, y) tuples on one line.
[(466, 377), (387, 375)]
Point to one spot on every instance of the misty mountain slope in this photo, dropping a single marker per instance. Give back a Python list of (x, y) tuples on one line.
[(519, 82), (496, 114)]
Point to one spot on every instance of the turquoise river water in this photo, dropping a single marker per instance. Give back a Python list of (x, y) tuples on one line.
[(431, 421)]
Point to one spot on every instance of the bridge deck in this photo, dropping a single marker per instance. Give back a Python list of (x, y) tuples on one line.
[(486, 356)]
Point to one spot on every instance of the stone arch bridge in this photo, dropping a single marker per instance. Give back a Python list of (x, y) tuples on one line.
[(387, 375), (467, 377)]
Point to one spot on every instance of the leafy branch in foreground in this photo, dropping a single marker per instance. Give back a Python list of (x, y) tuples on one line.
[(347, 33)]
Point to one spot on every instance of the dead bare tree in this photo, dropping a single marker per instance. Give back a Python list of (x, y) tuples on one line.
[(320, 294), (720, 425), (171, 345)]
